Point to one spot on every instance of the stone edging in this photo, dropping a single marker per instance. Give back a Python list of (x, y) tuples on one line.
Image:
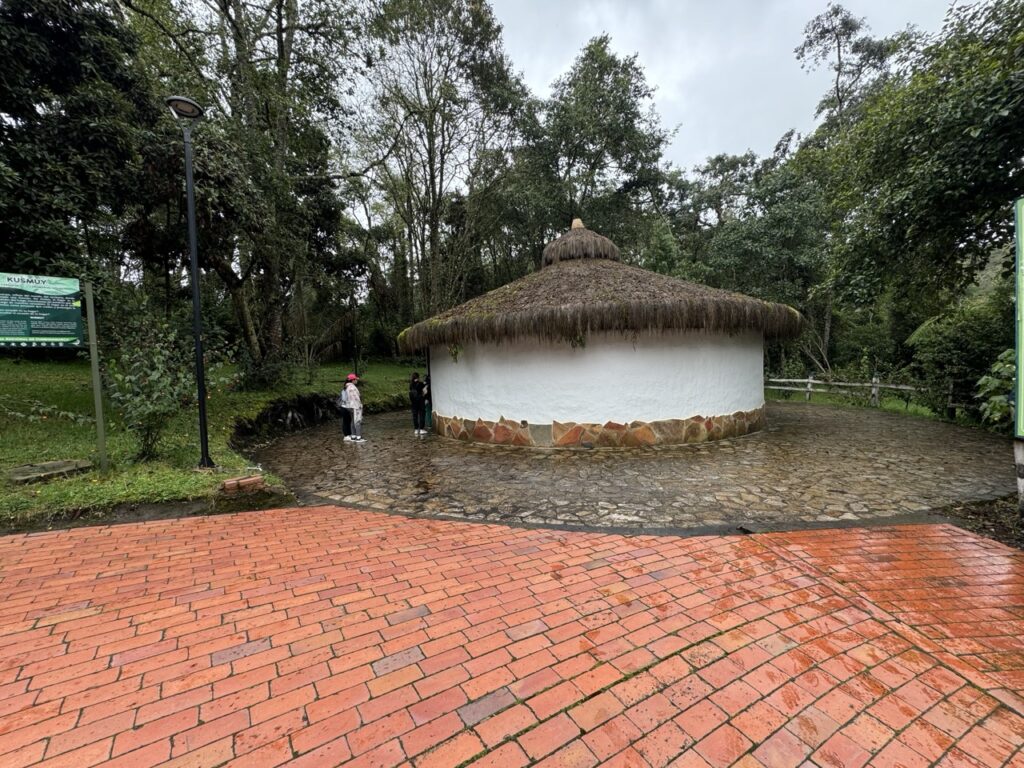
[(742, 528), (696, 429)]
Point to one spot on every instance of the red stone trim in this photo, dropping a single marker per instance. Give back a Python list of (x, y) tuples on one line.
[(697, 429)]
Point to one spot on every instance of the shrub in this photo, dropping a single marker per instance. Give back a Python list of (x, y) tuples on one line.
[(960, 346), (272, 371), (995, 391), (151, 378)]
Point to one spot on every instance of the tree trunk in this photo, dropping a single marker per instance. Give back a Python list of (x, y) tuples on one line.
[(826, 334), (243, 313), (239, 303)]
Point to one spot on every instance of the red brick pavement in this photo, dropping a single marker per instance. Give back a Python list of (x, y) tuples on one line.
[(326, 636), (964, 593)]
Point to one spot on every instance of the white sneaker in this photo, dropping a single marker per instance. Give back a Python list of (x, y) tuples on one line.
[(348, 439)]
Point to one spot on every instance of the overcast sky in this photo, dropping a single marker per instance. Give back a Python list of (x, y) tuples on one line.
[(724, 70)]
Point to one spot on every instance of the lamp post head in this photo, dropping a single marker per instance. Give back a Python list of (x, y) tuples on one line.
[(182, 106)]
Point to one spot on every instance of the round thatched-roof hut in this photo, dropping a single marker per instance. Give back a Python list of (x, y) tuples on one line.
[(591, 351)]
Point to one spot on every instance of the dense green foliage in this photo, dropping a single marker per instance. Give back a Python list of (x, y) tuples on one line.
[(958, 347), (995, 391), (74, 106), (934, 160)]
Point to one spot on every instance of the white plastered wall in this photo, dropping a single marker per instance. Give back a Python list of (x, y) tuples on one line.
[(673, 375)]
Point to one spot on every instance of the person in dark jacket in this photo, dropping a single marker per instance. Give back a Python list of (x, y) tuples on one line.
[(428, 405), (418, 403)]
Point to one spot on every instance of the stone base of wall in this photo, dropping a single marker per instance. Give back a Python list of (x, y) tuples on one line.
[(697, 429)]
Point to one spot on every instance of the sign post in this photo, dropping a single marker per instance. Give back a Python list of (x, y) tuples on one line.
[(1018, 400), (97, 391), (40, 311)]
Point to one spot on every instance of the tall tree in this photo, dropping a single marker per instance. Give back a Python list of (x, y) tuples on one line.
[(276, 71), (442, 97), (73, 113), (860, 65), (841, 41), (604, 142)]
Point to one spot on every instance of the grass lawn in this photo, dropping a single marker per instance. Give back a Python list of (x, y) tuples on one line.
[(46, 414), (886, 402)]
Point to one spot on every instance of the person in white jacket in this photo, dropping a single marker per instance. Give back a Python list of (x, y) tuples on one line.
[(346, 413), (355, 404)]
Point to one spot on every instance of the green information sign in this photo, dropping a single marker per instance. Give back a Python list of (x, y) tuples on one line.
[(37, 311), (1018, 216)]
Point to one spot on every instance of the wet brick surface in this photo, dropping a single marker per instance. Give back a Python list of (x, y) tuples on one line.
[(327, 636)]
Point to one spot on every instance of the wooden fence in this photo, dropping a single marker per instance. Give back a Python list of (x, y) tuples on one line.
[(811, 385)]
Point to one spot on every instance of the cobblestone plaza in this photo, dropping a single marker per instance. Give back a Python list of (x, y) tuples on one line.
[(812, 464)]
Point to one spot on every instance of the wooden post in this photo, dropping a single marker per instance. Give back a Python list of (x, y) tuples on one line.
[(97, 390), (810, 384), (1018, 384), (950, 409), (874, 392)]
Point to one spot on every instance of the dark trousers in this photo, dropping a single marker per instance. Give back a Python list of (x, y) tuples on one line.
[(346, 421), (419, 414)]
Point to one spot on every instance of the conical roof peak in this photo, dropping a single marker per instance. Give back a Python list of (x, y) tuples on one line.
[(579, 243)]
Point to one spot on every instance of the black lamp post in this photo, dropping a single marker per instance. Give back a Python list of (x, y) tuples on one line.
[(188, 110)]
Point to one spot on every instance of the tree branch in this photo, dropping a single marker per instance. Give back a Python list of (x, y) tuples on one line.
[(173, 37), (375, 164)]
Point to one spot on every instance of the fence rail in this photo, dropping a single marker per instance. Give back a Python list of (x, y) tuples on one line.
[(811, 385)]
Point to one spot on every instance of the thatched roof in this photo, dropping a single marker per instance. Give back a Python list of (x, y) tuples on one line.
[(579, 243), (582, 288)]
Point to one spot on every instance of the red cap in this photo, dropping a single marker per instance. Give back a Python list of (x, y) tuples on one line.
[(353, 377)]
